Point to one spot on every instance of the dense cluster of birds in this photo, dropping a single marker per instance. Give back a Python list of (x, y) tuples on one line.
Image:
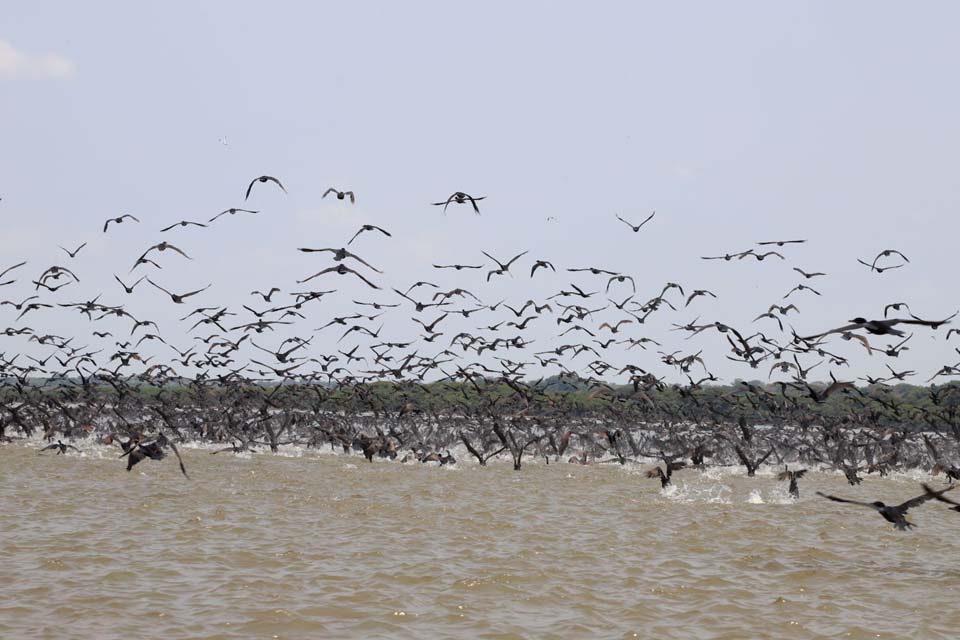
[(417, 398)]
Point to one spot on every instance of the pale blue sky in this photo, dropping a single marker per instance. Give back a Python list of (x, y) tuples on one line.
[(736, 122)]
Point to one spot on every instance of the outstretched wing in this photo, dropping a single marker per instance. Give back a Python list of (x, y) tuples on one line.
[(938, 495), (193, 293), (836, 499), (919, 500), (743, 457), (176, 452)]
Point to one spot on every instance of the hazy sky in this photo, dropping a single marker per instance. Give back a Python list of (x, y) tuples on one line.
[(736, 122)]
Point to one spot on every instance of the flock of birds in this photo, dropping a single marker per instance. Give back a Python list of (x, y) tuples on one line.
[(390, 399)]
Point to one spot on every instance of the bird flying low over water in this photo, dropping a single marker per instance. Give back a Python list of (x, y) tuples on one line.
[(60, 446), (938, 496), (137, 451), (792, 477), (895, 514)]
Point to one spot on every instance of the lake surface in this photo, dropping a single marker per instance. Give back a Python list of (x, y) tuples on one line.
[(308, 545)]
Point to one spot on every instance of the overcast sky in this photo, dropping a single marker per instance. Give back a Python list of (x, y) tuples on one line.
[(735, 122)]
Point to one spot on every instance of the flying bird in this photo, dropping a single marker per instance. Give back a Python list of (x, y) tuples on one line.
[(459, 197), (231, 211), (882, 327), (503, 267), (340, 194), (886, 253), (119, 220), (178, 299), (369, 227), (780, 243), (129, 289), (340, 269), (73, 254), (895, 514), (60, 447), (263, 179), (458, 267), (938, 495), (636, 227), (808, 275), (185, 223)]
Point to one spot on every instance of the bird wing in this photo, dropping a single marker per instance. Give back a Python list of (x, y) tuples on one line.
[(176, 452), (494, 259), (938, 495), (515, 258), (170, 246), (916, 502), (845, 500), (318, 273), (928, 323), (159, 287), (8, 269), (362, 278), (742, 456), (192, 293), (362, 261), (849, 327)]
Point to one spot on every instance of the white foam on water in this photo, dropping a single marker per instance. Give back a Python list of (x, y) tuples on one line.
[(714, 493), (780, 495)]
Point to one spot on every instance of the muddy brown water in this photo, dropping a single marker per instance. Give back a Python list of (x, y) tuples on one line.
[(324, 546)]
